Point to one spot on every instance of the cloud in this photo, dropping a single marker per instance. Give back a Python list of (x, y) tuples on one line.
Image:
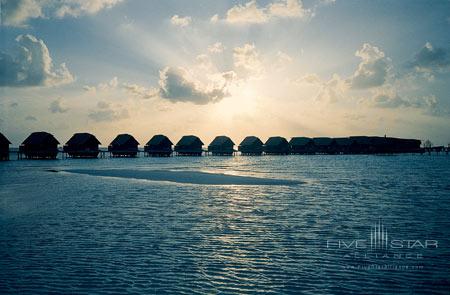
[(140, 91), (310, 79), (247, 61), (31, 65), (106, 113), (178, 85), (251, 13), (373, 69), (214, 19), (77, 8), (390, 98), (288, 9), (57, 106), (430, 58), (180, 21), (105, 86), (18, 12), (216, 48), (333, 90)]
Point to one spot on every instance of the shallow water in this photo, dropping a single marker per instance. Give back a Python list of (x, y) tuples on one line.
[(76, 233)]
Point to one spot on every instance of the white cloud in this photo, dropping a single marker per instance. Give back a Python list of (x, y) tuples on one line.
[(334, 90), (310, 79), (140, 91), (180, 21), (247, 61), (105, 86), (178, 85), (248, 13), (373, 70), (31, 65), (216, 48), (214, 18), (252, 13), (57, 106), (288, 9), (18, 12)]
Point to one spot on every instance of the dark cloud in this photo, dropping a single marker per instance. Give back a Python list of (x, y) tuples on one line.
[(57, 106), (31, 65), (431, 58), (106, 112), (373, 69), (176, 85)]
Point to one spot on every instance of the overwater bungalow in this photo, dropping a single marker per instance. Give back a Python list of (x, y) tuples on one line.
[(82, 145), (4, 148), (277, 145), (359, 144), (158, 146), (39, 145), (189, 145), (124, 145), (301, 145), (221, 146), (342, 145), (379, 145), (399, 145), (324, 145), (251, 145)]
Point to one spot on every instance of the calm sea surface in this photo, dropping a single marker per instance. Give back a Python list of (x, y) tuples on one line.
[(83, 234)]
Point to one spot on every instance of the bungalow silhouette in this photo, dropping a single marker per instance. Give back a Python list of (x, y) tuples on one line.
[(324, 145), (221, 146), (359, 144), (301, 145), (277, 145), (124, 145), (158, 146), (39, 145), (401, 145), (189, 145), (342, 145), (82, 145), (251, 145), (4, 147)]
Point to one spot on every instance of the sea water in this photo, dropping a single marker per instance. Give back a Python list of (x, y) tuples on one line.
[(341, 224)]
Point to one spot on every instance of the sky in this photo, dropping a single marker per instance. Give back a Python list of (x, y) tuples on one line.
[(252, 67)]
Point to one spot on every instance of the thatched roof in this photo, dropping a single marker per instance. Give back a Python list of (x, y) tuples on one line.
[(39, 138), (159, 139), (124, 139), (251, 140), (189, 140), (222, 141), (276, 141), (79, 139), (322, 141), (4, 140), (300, 141)]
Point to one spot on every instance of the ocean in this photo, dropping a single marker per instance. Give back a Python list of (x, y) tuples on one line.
[(347, 224)]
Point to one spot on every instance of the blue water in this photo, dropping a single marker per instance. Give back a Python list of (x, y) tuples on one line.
[(63, 232)]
